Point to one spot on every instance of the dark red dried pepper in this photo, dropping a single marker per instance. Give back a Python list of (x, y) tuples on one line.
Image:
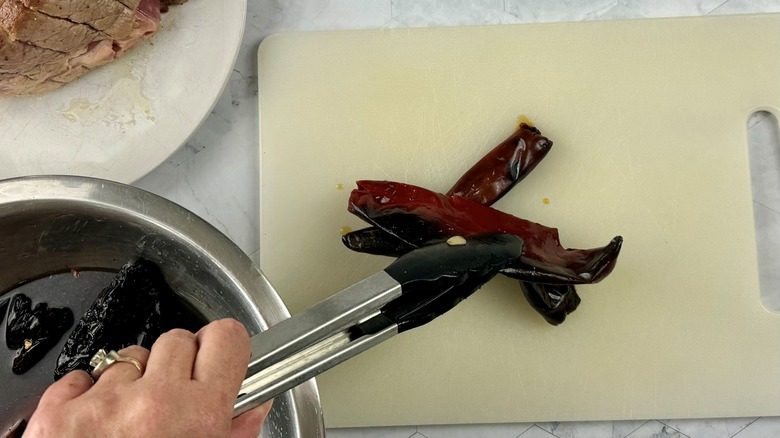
[(414, 215), (503, 167), (485, 182)]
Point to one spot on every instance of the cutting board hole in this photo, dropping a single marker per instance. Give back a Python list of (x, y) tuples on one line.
[(764, 145)]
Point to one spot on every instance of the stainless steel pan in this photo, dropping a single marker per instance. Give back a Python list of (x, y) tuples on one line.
[(52, 224)]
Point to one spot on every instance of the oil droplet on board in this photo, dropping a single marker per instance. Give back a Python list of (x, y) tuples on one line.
[(546, 201), (339, 186), (522, 118), (345, 230)]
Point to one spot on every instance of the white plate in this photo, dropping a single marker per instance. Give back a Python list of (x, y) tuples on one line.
[(126, 118)]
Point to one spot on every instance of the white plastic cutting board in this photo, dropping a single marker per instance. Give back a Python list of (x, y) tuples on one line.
[(649, 124)]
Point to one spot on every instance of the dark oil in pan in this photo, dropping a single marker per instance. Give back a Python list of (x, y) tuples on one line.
[(19, 394)]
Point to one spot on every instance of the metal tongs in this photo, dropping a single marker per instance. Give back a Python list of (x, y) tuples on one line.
[(411, 292)]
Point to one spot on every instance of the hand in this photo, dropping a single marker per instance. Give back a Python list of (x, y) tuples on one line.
[(188, 390)]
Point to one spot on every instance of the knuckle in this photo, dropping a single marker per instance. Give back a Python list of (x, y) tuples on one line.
[(76, 380), (66, 381), (179, 333), (101, 405), (152, 404), (231, 326), (176, 336), (137, 352), (50, 394), (66, 385)]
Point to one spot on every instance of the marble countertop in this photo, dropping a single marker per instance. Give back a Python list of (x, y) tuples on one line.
[(216, 174)]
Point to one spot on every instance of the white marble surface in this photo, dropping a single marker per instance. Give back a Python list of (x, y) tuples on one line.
[(216, 174)]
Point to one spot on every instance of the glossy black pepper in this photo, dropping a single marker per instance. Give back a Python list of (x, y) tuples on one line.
[(135, 309), (33, 331)]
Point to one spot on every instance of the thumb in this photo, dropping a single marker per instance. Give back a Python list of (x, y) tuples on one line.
[(250, 423)]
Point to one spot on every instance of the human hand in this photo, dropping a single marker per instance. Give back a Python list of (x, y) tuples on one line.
[(188, 389)]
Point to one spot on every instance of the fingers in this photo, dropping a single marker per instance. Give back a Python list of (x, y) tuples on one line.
[(123, 371), (67, 388), (223, 355), (250, 423), (172, 356)]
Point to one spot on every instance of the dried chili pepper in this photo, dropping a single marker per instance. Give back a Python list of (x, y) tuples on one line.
[(503, 167), (552, 301), (417, 216), (490, 179), (135, 308), (33, 331), (485, 182)]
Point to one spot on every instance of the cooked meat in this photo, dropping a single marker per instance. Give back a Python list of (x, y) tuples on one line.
[(19, 57), (108, 16), (41, 30), (47, 43)]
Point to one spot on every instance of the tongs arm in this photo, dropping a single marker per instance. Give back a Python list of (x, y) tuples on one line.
[(412, 291), (315, 340)]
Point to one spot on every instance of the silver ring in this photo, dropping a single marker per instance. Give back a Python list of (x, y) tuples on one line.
[(102, 360)]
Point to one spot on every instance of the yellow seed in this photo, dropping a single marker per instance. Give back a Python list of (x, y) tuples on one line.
[(27, 344), (546, 201), (339, 186), (345, 230), (456, 241)]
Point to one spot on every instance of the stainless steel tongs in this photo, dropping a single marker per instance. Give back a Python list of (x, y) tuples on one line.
[(412, 291)]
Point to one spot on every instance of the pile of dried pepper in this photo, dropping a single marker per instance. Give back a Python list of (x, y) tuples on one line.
[(405, 217)]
